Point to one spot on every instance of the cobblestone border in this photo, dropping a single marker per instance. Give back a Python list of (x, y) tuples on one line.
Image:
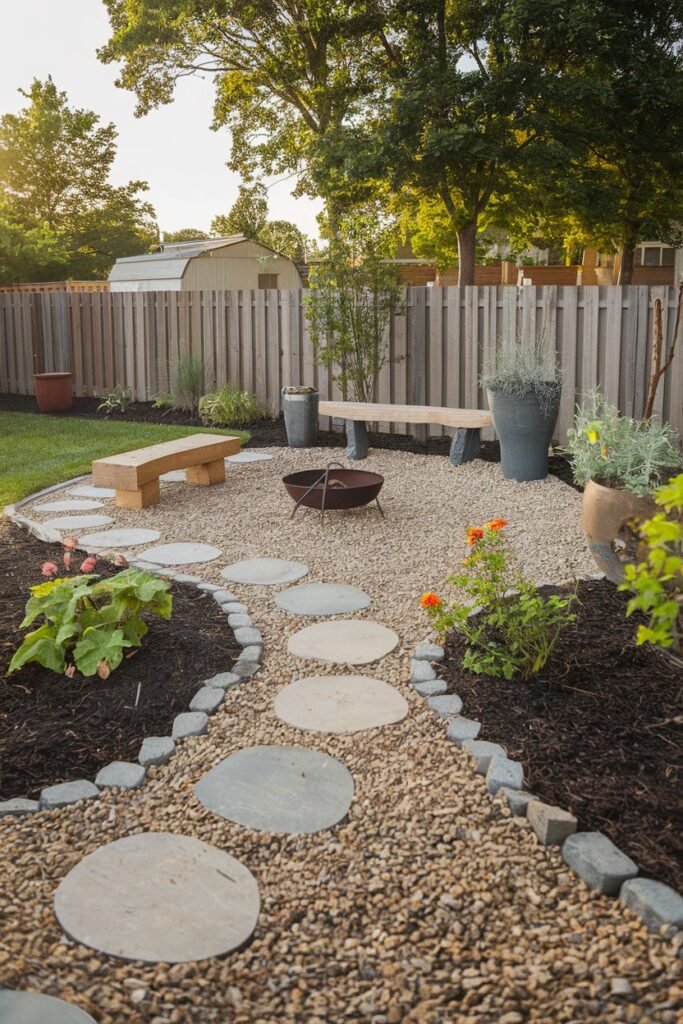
[(591, 855), (154, 750)]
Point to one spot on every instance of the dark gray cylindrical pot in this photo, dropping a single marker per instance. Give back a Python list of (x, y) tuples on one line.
[(525, 431), (300, 407)]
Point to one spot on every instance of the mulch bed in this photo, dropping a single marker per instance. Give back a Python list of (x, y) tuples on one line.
[(271, 433), (596, 731), (54, 729)]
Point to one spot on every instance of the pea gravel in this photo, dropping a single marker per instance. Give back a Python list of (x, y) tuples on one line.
[(430, 903)]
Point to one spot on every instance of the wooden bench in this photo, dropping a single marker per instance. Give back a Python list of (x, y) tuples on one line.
[(468, 423), (135, 475)]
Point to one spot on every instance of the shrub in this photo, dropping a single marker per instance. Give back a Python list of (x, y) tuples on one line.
[(524, 369), (117, 400), (657, 583), (163, 401), (89, 622), (187, 383), (230, 406), (635, 455), (509, 628)]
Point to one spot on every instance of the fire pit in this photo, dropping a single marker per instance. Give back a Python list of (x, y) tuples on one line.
[(333, 488)]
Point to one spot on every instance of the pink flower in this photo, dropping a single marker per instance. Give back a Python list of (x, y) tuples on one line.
[(49, 569), (69, 543), (70, 671), (103, 670), (89, 564), (121, 561), (67, 559)]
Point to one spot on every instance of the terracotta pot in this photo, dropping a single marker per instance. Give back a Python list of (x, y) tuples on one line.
[(605, 510), (53, 391)]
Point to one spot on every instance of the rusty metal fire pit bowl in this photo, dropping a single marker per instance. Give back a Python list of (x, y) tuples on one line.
[(333, 488)]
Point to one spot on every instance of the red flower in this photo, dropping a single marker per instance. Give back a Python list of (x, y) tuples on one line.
[(474, 534), (88, 564), (49, 569), (430, 600), (497, 524)]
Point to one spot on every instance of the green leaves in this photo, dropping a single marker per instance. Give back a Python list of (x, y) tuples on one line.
[(90, 621)]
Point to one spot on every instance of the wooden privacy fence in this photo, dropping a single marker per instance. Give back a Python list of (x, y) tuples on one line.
[(440, 341)]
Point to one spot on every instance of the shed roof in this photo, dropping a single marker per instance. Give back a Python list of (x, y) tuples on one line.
[(170, 264)]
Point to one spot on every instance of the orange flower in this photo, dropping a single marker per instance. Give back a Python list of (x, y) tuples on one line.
[(497, 524), (430, 600), (474, 534)]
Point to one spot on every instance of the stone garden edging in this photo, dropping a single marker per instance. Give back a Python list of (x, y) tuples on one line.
[(590, 855), (155, 750)]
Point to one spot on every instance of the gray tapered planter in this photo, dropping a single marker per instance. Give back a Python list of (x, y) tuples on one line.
[(525, 431), (300, 407)]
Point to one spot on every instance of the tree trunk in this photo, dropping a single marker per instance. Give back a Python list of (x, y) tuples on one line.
[(627, 262), (467, 239)]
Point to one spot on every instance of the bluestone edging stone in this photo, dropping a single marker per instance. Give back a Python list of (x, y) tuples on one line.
[(18, 805), (598, 861), (516, 799), (655, 903), (551, 824), (207, 699), (238, 619), (121, 773), (189, 723), (502, 771), (431, 688), (156, 750), (65, 793), (461, 729), (427, 651), (421, 671), (447, 706), (482, 751), (246, 635), (223, 680)]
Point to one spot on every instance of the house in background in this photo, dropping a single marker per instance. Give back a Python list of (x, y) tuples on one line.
[(212, 264)]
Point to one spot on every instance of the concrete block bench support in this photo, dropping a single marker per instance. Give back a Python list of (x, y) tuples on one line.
[(466, 443)]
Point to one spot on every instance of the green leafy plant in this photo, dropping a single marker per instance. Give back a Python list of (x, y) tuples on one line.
[(525, 368), (187, 382), (117, 400), (230, 406), (615, 450), (163, 401), (657, 583), (88, 622), (509, 628)]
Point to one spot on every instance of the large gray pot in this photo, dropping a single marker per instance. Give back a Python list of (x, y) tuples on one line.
[(525, 431), (300, 406)]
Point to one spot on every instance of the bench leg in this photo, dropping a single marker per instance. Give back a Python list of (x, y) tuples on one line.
[(207, 473), (466, 445), (356, 439), (147, 494)]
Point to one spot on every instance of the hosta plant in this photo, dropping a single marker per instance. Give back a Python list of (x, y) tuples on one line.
[(509, 628), (86, 623), (657, 582)]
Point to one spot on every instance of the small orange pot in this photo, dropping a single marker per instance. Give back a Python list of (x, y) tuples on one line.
[(53, 391), (605, 510)]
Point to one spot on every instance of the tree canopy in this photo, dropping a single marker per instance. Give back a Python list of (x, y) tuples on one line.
[(248, 216), (55, 163), (184, 235)]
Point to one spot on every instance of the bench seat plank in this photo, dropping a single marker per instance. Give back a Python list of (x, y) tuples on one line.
[(373, 412)]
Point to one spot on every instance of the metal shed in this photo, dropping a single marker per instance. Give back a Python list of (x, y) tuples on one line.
[(213, 264)]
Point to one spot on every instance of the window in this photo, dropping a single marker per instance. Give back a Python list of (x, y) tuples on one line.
[(267, 280), (650, 255)]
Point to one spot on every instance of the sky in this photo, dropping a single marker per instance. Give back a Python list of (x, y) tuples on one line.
[(173, 148)]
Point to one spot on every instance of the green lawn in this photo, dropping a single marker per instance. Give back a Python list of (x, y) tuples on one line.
[(36, 451)]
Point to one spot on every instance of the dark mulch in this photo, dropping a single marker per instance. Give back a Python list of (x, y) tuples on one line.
[(271, 433), (54, 729), (595, 731)]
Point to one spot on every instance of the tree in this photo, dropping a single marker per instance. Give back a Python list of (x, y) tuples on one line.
[(353, 293), (36, 254), (55, 163), (184, 235), (248, 216)]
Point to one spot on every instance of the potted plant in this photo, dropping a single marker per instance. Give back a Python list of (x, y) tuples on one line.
[(524, 398), (620, 462)]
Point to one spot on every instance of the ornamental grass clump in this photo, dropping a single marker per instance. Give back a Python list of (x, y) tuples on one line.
[(509, 628), (88, 622)]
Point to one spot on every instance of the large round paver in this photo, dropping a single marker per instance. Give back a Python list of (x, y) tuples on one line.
[(340, 704), (121, 537), (68, 505), (322, 599), (89, 491), (76, 522), (249, 457), (343, 642), (174, 476), (181, 553), (18, 1007), (265, 571), (159, 897), (278, 789)]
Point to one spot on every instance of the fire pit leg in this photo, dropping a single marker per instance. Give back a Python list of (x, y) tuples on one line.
[(466, 445), (356, 439)]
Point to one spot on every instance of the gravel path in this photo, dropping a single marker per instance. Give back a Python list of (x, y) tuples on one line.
[(430, 903)]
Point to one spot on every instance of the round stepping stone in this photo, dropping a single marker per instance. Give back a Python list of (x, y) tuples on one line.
[(345, 642), (278, 789), (265, 571), (340, 704), (122, 537), (34, 1008), (77, 522), (159, 897), (322, 599), (249, 457), (175, 476), (181, 554), (68, 505), (89, 491)]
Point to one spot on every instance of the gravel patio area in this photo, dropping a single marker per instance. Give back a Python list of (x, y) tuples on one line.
[(429, 903)]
